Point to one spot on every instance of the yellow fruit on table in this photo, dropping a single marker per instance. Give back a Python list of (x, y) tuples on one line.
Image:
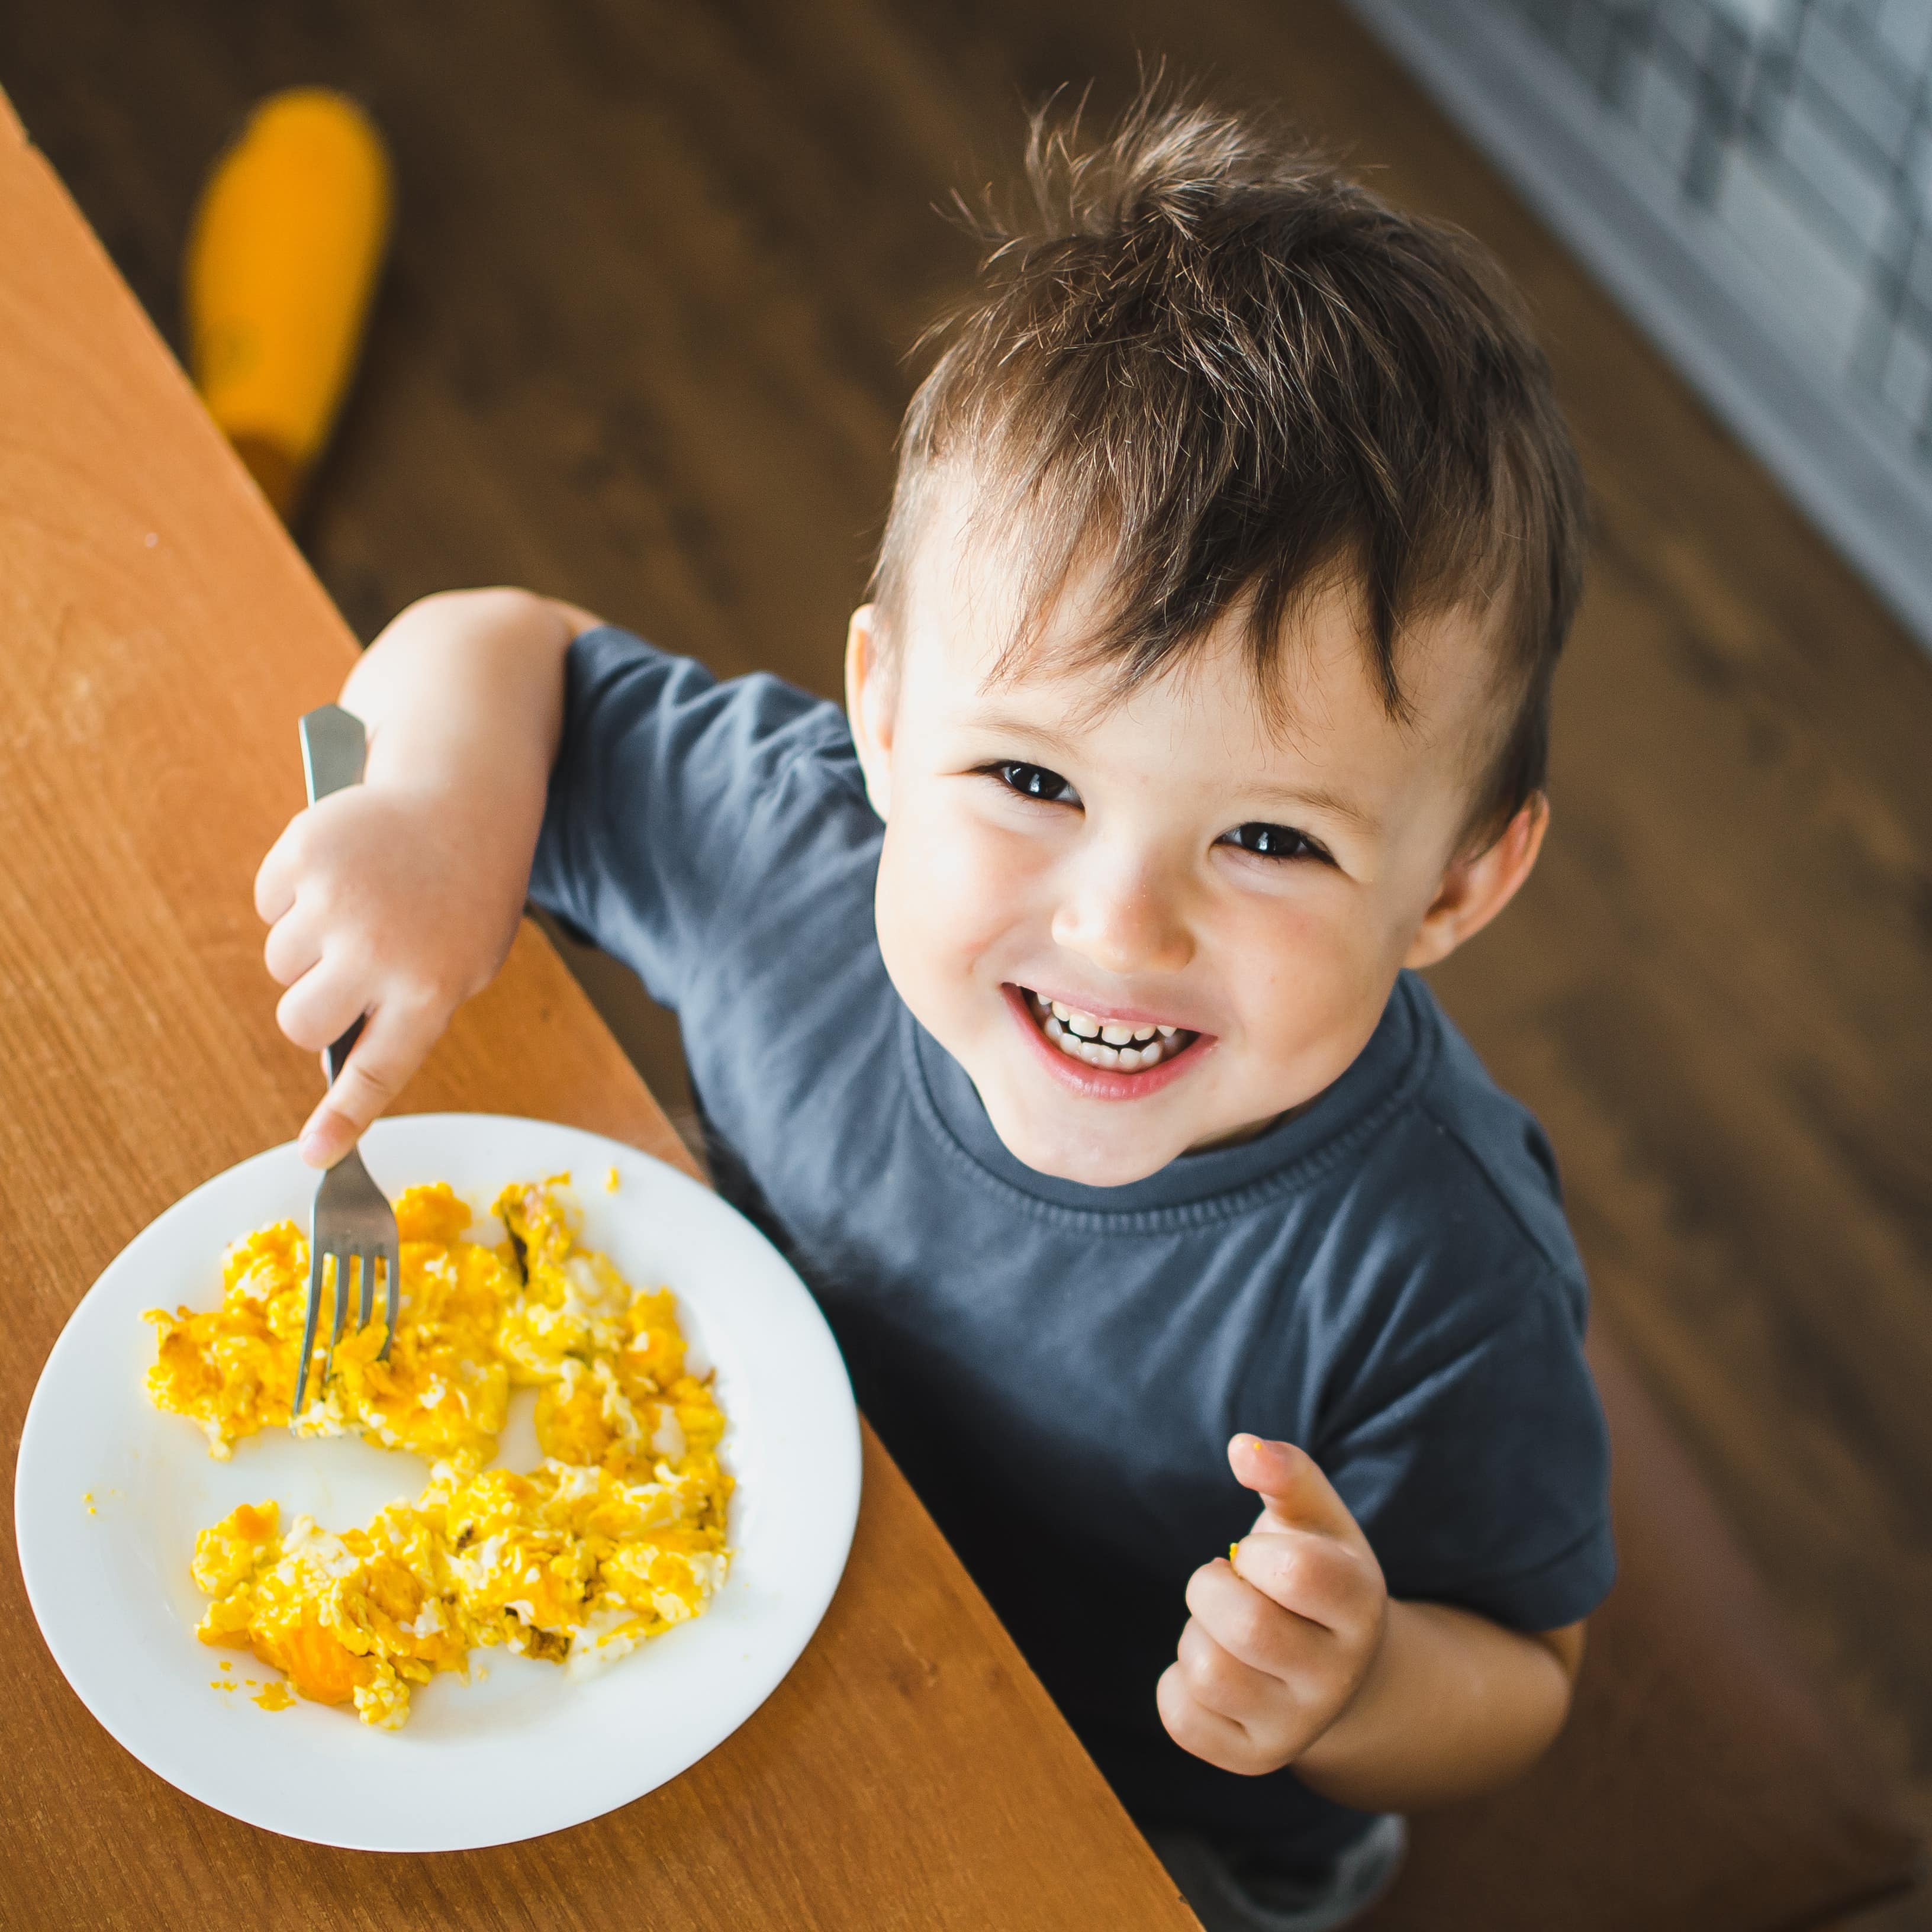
[(282, 263)]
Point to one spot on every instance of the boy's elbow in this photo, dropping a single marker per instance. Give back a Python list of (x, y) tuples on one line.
[(1564, 1647), (494, 618), (492, 603), (576, 620)]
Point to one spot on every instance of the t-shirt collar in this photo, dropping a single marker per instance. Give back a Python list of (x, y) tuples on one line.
[(1370, 1081)]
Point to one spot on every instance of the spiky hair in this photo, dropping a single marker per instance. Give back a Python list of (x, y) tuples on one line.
[(1218, 368)]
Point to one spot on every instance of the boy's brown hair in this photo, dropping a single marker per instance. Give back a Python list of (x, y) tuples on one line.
[(1238, 378)]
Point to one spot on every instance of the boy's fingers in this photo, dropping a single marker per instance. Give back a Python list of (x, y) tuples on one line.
[(293, 946), (1221, 1682), (393, 1044), (1264, 1634), (1218, 1740), (326, 1136), (275, 878), (1315, 1577), (1292, 1487), (322, 1005)]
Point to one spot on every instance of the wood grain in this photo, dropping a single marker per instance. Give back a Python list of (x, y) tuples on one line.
[(162, 636)]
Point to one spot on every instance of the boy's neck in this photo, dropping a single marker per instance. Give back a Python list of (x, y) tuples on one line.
[(1240, 1134)]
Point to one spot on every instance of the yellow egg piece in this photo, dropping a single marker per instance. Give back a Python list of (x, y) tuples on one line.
[(619, 1534)]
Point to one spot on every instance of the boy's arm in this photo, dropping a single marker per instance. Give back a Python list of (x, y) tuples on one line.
[(398, 898), (1453, 1706), (1294, 1654)]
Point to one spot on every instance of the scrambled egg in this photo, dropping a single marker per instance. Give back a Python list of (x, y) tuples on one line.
[(618, 1533)]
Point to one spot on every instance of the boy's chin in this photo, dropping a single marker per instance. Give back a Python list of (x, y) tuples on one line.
[(1099, 1161)]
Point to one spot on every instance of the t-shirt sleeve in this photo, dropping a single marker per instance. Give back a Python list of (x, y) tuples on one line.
[(649, 837), (1479, 1465)]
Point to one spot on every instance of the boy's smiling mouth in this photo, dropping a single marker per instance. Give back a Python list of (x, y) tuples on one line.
[(1132, 1048)]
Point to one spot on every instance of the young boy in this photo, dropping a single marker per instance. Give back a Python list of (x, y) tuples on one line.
[(1054, 1006)]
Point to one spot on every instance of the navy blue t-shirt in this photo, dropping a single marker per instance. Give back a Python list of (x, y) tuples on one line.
[(1385, 1278)]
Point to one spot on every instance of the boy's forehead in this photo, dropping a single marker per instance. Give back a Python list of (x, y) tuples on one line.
[(973, 583), (969, 581)]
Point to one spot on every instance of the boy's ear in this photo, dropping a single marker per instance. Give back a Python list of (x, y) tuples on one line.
[(1478, 885), (869, 702)]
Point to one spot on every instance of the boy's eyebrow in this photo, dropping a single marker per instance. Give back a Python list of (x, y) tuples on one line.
[(1333, 803), (1013, 724)]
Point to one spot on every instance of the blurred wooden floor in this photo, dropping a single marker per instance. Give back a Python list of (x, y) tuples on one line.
[(641, 344)]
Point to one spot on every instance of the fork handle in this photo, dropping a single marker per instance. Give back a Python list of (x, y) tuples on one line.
[(337, 1054), (335, 745)]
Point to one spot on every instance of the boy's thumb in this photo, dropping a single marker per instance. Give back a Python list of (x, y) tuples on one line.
[(1290, 1483)]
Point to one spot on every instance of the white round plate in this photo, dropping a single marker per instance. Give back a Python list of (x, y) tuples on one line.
[(528, 1748)]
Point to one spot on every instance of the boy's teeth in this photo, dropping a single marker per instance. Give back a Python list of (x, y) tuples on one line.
[(1102, 1042), (1096, 1053)]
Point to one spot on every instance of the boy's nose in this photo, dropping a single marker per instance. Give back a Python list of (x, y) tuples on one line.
[(1123, 921)]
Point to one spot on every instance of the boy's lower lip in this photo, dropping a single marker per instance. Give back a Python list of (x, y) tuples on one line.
[(1099, 1083)]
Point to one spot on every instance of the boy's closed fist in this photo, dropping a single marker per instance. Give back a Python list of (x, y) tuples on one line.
[(383, 902), (1281, 1638)]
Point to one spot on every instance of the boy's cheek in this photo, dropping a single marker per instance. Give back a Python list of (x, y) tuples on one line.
[(1310, 991), (953, 898)]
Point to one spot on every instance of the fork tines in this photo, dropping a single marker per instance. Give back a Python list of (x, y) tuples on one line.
[(364, 1262), (355, 1227)]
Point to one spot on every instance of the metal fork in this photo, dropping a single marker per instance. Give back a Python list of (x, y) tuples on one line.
[(352, 1220)]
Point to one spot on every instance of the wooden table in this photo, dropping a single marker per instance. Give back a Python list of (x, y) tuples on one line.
[(161, 637)]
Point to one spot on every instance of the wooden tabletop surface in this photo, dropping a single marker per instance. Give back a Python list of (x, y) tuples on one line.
[(161, 637)]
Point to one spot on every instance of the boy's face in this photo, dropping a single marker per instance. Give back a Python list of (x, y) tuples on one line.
[(1225, 903)]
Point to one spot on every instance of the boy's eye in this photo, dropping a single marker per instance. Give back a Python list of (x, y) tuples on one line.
[(1036, 781), (1274, 841)]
